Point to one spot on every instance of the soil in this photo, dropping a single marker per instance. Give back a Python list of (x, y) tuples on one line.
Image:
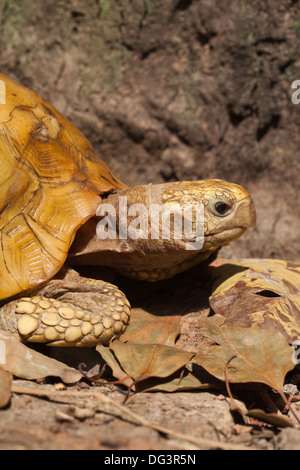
[(166, 91)]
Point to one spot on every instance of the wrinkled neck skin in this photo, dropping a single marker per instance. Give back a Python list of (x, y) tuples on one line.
[(160, 254)]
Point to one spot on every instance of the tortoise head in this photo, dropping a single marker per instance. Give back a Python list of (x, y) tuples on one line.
[(152, 232)]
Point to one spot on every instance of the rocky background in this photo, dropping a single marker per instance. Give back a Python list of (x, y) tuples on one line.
[(175, 89)]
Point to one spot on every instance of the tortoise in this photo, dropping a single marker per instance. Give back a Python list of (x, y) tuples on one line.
[(52, 185)]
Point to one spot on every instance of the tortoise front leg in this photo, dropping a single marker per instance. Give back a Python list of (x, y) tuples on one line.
[(64, 313)]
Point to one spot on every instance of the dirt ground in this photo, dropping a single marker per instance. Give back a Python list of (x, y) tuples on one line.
[(166, 91)]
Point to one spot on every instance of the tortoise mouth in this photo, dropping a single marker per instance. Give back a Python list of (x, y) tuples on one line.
[(225, 237)]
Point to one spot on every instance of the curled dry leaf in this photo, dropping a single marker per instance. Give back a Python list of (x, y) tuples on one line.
[(257, 355), (26, 363), (259, 293)]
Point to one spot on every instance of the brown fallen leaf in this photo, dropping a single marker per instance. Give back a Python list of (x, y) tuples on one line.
[(177, 382), (151, 329), (180, 380), (26, 363), (246, 354), (117, 371), (142, 361), (259, 293), (275, 419), (146, 351), (5, 386)]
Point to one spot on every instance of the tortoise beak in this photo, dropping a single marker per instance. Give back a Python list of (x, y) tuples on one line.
[(245, 213)]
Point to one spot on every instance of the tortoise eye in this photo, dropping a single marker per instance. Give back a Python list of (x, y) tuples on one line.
[(218, 207), (221, 208)]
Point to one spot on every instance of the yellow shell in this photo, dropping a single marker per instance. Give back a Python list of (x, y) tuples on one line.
[(50, 184)]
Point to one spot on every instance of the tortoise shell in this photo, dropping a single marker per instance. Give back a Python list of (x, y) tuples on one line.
[(51, 182)]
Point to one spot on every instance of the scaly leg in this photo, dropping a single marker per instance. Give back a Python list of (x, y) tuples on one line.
[(80, 312)]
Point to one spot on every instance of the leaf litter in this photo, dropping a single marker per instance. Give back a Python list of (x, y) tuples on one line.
[(255, 315)]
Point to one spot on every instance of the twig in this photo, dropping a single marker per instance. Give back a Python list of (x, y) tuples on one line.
[(288, 406), (199, 441), (227, 381), (234, 405)]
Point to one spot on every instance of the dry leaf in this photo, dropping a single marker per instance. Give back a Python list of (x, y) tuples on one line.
[(271, 418), (142, 361), (117, 371), (177, 382), (173, 383), (145, 350), (5, 385), (26, 363), (259, 293), (152, 329), (258, 355)]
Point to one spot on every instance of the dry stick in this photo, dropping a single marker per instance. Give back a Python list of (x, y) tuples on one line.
[(226, 379), (288, 406), (201, 442), (233, 404)]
